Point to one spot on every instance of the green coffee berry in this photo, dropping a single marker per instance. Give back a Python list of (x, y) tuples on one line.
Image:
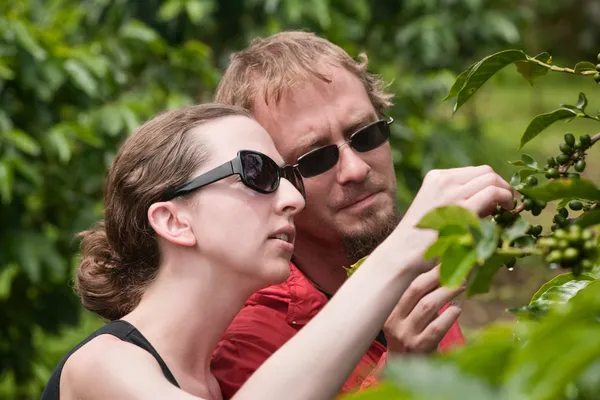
[(528, 204), (531, 180), (563, 211), (551, 161), (548, 242), (559, 219), (597, 78), (563, 244), (573, 175), (537, 230), (587, 234), (560, 234), (598, 65), (552, 173), (587, 264), (541, 204), (569, 139), (562, 159), (589, 246), (580, 166), (586, 140), (536, 211), (575, 205), (571, 254), (565, 148), (554, 256)]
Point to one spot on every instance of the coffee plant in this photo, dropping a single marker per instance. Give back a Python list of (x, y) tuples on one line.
[(552, 350)]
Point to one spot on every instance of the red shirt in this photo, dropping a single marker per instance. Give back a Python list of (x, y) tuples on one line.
[(270, 318)]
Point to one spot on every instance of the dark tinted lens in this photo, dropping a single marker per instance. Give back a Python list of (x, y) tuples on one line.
[(370, 137), (260, 172), (318, 161), (293, 175)]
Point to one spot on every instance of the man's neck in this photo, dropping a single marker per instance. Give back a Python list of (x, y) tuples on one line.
[(322, 263)]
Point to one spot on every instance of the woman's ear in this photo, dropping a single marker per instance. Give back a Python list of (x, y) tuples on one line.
[(171, 223)]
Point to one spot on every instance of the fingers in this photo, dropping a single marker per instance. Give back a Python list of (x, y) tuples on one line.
[(421, 286), (482, 182), (428, 308), (484, 202), (437, 329)]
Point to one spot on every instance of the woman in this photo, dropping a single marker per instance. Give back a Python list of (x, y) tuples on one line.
[(198, 216)]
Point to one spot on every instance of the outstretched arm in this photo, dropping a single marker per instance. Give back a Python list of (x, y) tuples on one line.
[(325, 351)]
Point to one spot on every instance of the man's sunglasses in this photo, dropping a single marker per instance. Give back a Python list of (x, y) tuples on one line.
[(257, 171), (367, 138)]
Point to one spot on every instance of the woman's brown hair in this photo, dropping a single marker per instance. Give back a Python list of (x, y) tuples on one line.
[(120, 255)]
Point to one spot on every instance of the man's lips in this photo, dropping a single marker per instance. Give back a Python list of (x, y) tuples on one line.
[(357, 200)]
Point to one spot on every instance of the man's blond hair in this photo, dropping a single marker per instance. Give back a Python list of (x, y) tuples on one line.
[(271, 66)]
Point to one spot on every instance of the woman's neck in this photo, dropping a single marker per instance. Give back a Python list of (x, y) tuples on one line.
[(184, 314)]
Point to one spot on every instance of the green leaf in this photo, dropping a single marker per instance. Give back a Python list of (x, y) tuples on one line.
[(352, 269), (460, 82), (448, 235), (542, 121), (484, 70), (5, 72), (584, 66), (531, 70), (112, 120), (28, 42), (137, 30), (560, 289), (526, 161), (558, 349), (169, 10), (488, 354), (415, 375), (81, 77), (481, 279), (7, 274), (23, 142), (582, 102), (384, 390), (589, 218), (518, 178), (559, 188), (441, 217), (515, 231), (198, 10), (457, 262), (486, 240), (6, 182), (57, 139)]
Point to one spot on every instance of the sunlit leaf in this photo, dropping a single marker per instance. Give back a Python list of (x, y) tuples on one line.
[(81, 77), (484, 70), (441, 217), (542, 121), (559, 188), (460, 82), (481, 279), (582, 102), (584, 66), (531, 70), (457, 262), (589, 218)]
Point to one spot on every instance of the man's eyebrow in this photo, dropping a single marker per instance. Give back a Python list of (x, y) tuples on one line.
[(311, 143), (358, 122)]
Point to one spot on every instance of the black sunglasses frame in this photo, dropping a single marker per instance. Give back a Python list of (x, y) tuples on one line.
[(388, 122), (235, 167)]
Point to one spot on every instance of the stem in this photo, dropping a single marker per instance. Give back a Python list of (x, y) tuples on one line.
[(518, 209), (563, 168), (513, 251), (562, 69)]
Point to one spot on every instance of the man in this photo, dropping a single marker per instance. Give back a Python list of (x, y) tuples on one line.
[(312, 97)]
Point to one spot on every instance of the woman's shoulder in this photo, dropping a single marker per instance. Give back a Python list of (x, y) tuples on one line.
[(102, 363)]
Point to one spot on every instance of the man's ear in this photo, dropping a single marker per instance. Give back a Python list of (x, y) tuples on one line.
[(171, 223)]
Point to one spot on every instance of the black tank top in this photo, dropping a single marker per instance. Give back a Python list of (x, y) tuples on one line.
[(124, 331)]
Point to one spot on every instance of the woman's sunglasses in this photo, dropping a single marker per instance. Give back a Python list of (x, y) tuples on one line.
[(368, 138), (258, 171)]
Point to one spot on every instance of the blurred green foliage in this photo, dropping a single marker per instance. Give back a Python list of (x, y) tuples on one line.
[(77, 76)]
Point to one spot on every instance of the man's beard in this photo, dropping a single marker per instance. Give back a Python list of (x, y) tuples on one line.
[(375, 230)]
